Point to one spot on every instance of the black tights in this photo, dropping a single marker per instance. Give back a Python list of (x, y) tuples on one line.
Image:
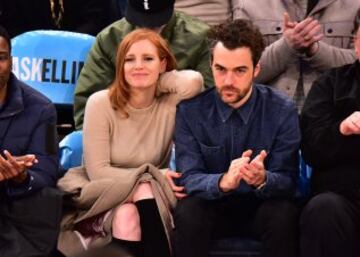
[(153, 238)]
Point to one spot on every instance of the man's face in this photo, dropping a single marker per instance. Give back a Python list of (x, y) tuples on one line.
[(5, 63), (233, 72)]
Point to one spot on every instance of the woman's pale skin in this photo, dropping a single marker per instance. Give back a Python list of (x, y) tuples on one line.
[(142, 69)]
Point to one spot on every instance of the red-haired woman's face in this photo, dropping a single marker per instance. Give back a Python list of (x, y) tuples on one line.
[(142, 65)]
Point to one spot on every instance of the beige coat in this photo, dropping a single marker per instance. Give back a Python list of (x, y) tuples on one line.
[(93, 197)]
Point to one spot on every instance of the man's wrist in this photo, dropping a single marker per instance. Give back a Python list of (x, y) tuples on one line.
[(223, 185), (21, 177), (312, 49)]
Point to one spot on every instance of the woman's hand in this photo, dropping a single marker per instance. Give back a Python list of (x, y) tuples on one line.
[(178, 190)]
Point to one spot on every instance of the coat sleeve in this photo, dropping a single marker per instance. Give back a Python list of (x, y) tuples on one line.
[(98, 72), (275, 60), (276, 56), (44, 145), (182, 84), (329, 56)]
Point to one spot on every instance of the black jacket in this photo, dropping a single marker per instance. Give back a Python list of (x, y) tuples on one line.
[(335, 158)]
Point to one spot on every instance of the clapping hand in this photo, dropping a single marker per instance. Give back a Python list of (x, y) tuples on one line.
[(14, 167)]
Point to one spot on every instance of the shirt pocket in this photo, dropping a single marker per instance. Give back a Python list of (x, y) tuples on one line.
[(339, 33), (270, 29), (214, 158)]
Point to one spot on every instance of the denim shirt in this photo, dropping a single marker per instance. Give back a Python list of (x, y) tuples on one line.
[(209, 134)]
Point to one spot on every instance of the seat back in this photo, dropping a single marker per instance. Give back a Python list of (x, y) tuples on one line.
[(71, 151), (50, 61)]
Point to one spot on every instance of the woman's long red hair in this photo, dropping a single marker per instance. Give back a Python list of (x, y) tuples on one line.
[(119, 91)]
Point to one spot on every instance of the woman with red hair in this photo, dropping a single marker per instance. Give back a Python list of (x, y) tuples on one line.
[(128, 128)]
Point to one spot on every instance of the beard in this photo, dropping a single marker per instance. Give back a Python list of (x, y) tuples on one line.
[(232, 95)]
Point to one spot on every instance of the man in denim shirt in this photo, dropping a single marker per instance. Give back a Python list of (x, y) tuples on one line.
[(237, 149)]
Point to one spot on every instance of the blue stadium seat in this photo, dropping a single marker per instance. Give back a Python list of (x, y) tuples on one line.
[(71, 149), (50, 61)]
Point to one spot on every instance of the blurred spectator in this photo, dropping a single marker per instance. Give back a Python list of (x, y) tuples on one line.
[(313, 36), (186, 37), (85, 16), (330, 124), (29, 210), (210, 11)]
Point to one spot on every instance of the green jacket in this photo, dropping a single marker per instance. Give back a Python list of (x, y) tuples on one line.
[(187, 38)]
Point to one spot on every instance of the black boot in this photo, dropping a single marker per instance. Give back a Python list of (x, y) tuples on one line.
[(152, 229), (134, 248)]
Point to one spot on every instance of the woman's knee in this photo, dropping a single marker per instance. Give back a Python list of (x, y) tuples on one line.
[(126, 222)]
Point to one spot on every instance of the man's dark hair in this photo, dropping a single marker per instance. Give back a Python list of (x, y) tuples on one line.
[(238, 33), (4, 34), (357, 21)]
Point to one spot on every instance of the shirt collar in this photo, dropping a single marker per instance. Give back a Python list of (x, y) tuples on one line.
[(243, 111)]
